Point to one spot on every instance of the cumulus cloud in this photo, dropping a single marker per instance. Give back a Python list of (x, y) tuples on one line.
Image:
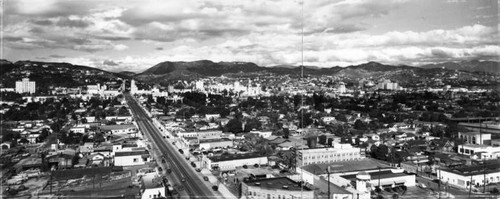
[(339, 32), (109, 63)]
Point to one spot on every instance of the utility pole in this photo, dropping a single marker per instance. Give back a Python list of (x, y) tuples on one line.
[(328, 172), (470, 185), (484, 177), (439, 183)]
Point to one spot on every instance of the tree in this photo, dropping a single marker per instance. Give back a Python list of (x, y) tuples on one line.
[(286, 133), (322, 139), (360, 125), (252, 124), (312, 141), (43, 135), (234, 126)]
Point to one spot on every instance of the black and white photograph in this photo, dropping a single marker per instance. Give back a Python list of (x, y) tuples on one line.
[(249, 99)]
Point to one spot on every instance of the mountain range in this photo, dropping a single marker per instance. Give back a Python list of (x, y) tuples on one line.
[(167, 72), (172, 71), (472, 66)]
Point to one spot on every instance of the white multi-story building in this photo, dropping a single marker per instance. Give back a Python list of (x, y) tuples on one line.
[(339, 152), (25, 86), (133, 87), (277, 188)]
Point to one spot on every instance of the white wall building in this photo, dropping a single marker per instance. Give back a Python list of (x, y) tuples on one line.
[(483, 152), (207, 144), (230, 162), (152, 186), (276, 188), (475, 137), (199, 134), (461, 177), (25, 86), (339, 152), (131, 158)]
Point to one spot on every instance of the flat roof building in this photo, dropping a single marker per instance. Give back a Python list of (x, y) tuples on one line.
[(277, 188), (230, 162)]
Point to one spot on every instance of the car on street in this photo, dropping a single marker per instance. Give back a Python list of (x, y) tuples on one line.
[(198, 170), (421, 185)]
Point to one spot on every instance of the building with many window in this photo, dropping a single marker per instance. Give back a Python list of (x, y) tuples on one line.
[(475, 137), (339, 152), (25, 86)]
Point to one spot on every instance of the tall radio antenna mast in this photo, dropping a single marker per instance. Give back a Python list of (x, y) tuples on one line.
[(302, 37)]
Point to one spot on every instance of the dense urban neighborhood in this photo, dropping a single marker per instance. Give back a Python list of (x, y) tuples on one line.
[(78, 132)]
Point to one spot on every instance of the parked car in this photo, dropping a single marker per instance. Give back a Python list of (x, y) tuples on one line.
[(198, 169), (421, 185), (205, 178)]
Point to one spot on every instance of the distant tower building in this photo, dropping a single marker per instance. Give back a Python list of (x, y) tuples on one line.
[(199, 85), (342, 88), (25, 86), (133, 87)]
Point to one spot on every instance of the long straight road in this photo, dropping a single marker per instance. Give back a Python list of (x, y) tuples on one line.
[(194, 187)]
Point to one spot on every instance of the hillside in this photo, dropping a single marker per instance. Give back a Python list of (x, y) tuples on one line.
[(167, 72), (48, 74), (471, 66)]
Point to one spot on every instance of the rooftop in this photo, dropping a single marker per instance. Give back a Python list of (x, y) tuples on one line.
[(130, 153), (215, 140), (234, 157), (116, 127), (476, 169), (150, 180), (377, 174), (345, 166), (79, 173), (277, 183)]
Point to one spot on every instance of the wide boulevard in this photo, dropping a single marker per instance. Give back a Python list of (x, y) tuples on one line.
[(180, 168)]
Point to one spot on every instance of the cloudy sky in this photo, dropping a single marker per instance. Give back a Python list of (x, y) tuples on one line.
[(134, 35)]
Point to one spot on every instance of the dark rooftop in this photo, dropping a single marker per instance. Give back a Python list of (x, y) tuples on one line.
[(476, 169), (277, 183), (214, 140), (129, 153), (234, 157), (79, 173)]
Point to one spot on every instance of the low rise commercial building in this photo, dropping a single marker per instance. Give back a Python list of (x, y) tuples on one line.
[(152, 186), (230, 162), (131, 158), (482, 152), (199, 134), (277, 188), (206, 144), (477, 175), (475, 137)]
